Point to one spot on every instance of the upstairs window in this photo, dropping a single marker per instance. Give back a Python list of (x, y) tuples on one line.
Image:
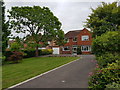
[(67, 39), (85, 38), (75, 39)]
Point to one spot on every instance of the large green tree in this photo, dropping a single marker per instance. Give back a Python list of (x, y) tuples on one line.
[(105, 17), (35, 21), (5, 31)]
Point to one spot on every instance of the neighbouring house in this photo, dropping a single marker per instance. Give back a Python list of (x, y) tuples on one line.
[(75, 38), (51, 45)]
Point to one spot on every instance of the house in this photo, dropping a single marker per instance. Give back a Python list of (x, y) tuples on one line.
[(81, 38)]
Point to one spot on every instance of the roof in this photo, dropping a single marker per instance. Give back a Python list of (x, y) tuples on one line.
[(72, 34)]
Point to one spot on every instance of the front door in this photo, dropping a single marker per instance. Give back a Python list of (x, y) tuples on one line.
[(74, 50)]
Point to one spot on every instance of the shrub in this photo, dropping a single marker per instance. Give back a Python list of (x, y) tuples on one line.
[(113, 85), (8, 54), (16, 57), (15, 46), (107, 42), (2, 60), (102, 77), (46, 51), (106, 58), (31, 53)]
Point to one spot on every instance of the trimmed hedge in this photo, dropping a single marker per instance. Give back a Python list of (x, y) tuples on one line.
[(30, 53)]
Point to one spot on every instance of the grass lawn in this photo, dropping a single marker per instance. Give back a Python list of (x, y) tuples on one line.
[(30, 67)]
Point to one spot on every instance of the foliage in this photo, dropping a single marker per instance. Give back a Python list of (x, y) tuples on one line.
[(20, 41), (79, 50), (8, 54), (46, 51), (102, 77), (31, 53), (107, 42), (16, 57), (35, 20), (15, 46), (3, 59), (60, 38), (105, 17), (113, 85), (5, 31), (106, 58)]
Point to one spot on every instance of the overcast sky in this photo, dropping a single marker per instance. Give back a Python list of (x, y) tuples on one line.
[(71, 13)]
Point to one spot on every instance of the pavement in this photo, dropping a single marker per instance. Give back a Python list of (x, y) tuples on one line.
[(73, 75)]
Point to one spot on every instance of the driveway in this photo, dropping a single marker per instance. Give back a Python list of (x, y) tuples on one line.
[(73, 75)]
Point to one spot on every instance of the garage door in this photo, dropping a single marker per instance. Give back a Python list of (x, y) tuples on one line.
[(56, 50)]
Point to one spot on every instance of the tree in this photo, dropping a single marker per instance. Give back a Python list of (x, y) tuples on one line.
[(104, 18), (35, 21), (5, 30)]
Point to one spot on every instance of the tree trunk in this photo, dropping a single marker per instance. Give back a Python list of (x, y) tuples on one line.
[(36, 51)]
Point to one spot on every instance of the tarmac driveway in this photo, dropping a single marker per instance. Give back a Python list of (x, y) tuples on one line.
[(73, 75)]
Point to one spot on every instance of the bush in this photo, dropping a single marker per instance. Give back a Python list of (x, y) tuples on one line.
[(8, 54), (2, 60), (46, 51), (102, 77), (106, 58), (113, 85), (31, 53), (16, 57), (15, 47), (107, 42)]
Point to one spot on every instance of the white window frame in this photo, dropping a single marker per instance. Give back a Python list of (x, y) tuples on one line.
[(67, 40), (83, 48), (67, 47), (74, 47), (84, 38), (74, 38)]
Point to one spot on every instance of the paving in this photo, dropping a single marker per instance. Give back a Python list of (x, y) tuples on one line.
[(73, 75)]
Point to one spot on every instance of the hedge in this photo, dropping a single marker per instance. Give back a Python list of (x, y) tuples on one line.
[(107, 42), (103, 77), (30, 53)]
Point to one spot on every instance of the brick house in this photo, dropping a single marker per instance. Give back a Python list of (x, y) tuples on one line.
[(82, 38)]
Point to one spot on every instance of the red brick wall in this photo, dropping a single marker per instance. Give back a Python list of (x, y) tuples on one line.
[(79, 38)]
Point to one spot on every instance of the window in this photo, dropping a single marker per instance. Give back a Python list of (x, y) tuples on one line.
[(85, 38), (85, 48), (67, 48), (75, 39), (67, 39), (74, 48)]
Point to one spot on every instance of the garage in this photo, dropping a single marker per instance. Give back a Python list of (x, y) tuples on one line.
[(56, 50)]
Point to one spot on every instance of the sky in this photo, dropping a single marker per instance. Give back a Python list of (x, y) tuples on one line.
[(71, 13)]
